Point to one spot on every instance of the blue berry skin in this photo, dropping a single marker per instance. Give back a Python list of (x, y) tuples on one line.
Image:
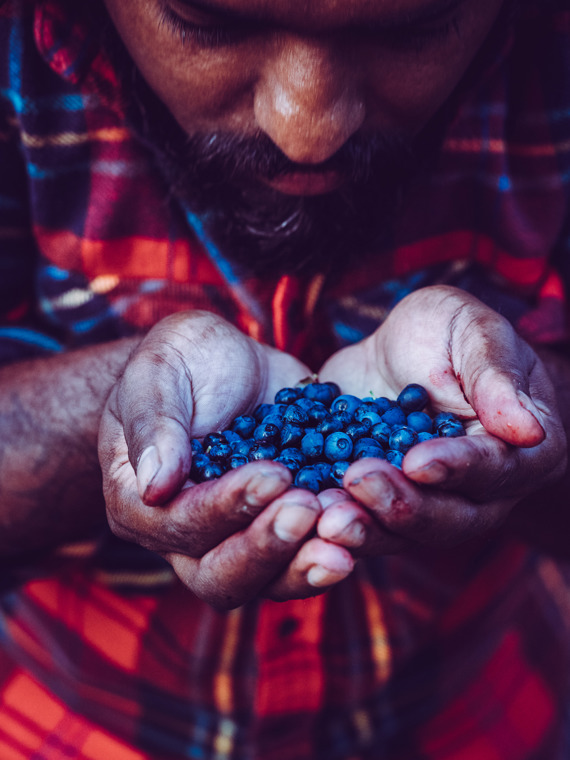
[(381, 433), (296, 455), (237, 460), (261, 411), (345, 403), (426, 437), (196, 446), (319, 392), (325, 469), (220, 452), (304, 403), (403, 439), (452, 429), (199, 462), (231, 437), (338, 446), (413, 398), (267, 432), (244, 425), (242, 448), (329, 425), (370, 452), (344, 417), (442, 418), (364, 408), (212, 471), (291, 435), (383, 404), (367, 444), (357, 430), (274, 418), (395, 457), (262, 450), (309, 478), (296, 413), (337, 472), (211, 439), (369, 417), (313, 444), (394, 416), (420, 422), (335, 390), (288, 395), (317, 413), (290, 464)]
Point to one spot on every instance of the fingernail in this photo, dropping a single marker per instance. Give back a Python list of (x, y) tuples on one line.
[(345, 526), (321, 576), (264, 487), (434, 473), (293, 522), (527, 403), (147, 469)]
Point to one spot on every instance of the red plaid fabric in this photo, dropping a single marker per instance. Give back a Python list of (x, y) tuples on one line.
[(456, 655)]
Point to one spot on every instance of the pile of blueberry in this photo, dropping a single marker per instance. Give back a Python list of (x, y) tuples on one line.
[(316, 432)]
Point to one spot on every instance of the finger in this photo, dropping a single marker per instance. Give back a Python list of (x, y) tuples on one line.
[(154, 401), (317, 566), (237, 569), (200, 516), (346, 523), (423, 515)]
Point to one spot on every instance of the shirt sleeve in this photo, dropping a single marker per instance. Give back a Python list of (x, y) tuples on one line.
[(21, 336)]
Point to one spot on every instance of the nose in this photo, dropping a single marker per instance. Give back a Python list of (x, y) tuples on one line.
[(307, 102)]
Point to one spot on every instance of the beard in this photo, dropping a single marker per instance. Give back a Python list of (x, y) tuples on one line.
[(218, 176)]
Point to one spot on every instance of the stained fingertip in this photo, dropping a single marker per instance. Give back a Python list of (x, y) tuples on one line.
[(265, 485), (148, 467), (294, 521)]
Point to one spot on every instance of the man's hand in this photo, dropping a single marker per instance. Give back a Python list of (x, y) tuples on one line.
[(230, 539), (472, 363)]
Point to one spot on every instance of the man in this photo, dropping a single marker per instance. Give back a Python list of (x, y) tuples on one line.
[(203, 202)]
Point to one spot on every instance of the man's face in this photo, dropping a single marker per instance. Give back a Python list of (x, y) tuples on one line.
[(307, 77)]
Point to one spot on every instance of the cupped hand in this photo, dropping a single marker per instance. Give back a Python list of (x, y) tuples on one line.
[(231, 539), (472, 363)]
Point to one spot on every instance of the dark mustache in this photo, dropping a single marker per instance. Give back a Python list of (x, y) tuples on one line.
[(230, 156)]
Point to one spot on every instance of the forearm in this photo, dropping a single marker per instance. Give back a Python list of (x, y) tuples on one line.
[(50, 480), (544, 518)]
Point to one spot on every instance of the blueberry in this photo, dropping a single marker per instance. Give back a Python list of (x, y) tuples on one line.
[(381, 433), (394, 416), (291, 435), (237, 460), (212, 471), (310, 478), (395, 457), (335, 390), (244, 425), (451, 429), (296, 455), (304, 403), (364, 408), (357, 430), (368, 417), (403, 439), (325, 469), (338, 446), (370, 446), (290, 464), (231, 436), (199, 462), (220, 452), (442, 417), (196, 446), (337, 472), (262, 450), (267, 432), (262, 411), (420, 422), (296, 413), (426, 437), (317, 413), (242, 448), (344, 417), (345, 403), (322, 392), (383, 404), (274, 418), (211, 439), (288, 395), (329, 425), (413, 398), (370, 452), (313, 444)]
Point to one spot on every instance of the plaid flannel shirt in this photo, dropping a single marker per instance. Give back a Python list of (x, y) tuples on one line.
[(455, 655)]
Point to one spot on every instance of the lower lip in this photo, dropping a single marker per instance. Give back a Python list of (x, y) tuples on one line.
[(306, 183)]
